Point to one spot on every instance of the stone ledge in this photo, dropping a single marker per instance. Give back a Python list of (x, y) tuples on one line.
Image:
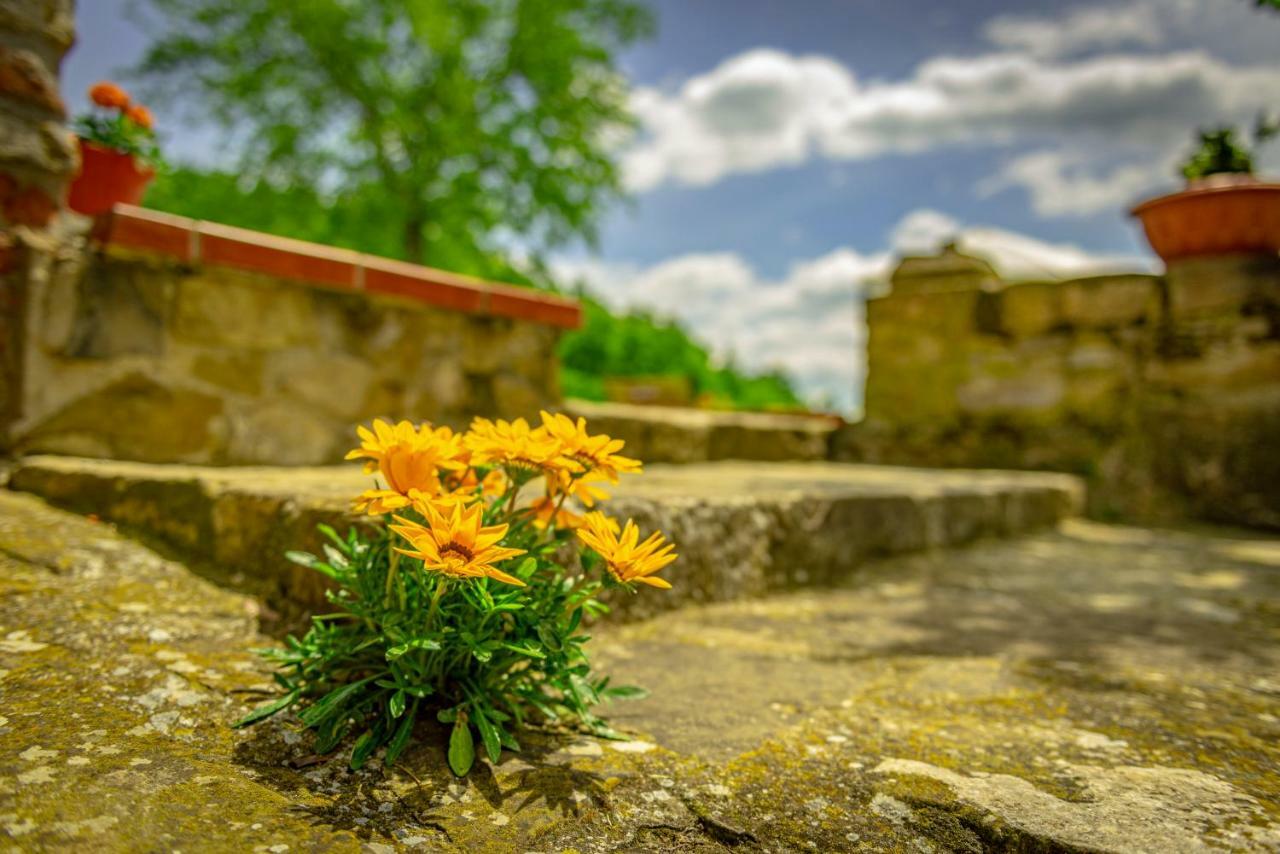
[(673, 434), (743, 529), (1084, 689), (195, 242)]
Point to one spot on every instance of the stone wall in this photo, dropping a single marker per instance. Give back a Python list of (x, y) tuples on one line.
[(1163, 390), (134, 354), (37, 157)]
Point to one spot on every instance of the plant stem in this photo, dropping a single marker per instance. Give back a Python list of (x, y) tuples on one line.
[(435, 600), (391, 577)]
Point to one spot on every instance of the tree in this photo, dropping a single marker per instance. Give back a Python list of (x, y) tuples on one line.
[(461, 125)]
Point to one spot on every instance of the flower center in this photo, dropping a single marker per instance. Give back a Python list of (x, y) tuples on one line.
[(458, 550), (526, 464), (588, 462)]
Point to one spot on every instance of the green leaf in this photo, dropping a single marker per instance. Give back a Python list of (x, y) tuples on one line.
[(489, 735), (417, 643), (625, 692), (400, 740), (447, 716), (363, 749), (526, 569), (269, 709), (331, 702), (396, 705), (328, 531), (528, 649), (462, 750), (330, 734), (548, 638)]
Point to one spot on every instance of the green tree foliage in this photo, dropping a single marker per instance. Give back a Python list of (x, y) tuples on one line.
[(432, 131), (457, 121), (354, 219), (608, 345), (639, 345)]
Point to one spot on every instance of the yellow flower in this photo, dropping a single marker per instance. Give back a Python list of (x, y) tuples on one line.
[(494, 485), (593, 453), (408, 458), (626, 557), (375, 502), (455, 542), (579, 486), (547, 507), (514, 444)]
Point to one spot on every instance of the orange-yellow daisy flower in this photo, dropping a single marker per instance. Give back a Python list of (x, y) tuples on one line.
[(581, 486), (514, 444), (494, 485), (546, 508), (454, 542), (408, 458), (593, 453), (626, 557)]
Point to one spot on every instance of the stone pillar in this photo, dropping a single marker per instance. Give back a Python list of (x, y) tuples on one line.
[(38, 156)]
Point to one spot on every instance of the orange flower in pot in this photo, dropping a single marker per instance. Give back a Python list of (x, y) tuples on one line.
[(118, 153)]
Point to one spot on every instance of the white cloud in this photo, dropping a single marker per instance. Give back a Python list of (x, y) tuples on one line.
[(809, 323), (1079, 30), (1014, 255), (1061, 183), (1101, 127)]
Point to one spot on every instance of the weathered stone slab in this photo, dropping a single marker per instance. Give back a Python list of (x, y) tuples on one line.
[(742, 528), (668, 434), (1093, 689)]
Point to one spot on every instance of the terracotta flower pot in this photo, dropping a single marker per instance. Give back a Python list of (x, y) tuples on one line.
[(1229, 215), (106, 178)]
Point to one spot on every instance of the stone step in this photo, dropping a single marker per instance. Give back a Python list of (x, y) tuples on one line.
[(743, 529), (675, 434), (1093, 688)]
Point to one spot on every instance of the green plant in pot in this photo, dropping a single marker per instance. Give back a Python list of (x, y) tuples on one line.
[(1221, 152), (1225, 209)]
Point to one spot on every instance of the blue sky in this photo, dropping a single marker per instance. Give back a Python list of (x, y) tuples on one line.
[(790, 148)]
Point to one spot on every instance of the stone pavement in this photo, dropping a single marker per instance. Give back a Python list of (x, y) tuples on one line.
[(1093, 688), (743, 529)]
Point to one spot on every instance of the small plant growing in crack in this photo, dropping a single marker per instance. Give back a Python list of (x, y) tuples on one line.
[(469, 603)]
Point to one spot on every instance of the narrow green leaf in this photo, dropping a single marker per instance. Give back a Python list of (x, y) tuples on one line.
[(417, 643), (330, 734), (527, 568), (447, 716), (400, 740), (396, 705), (625, 692), (489, 735), (328, 531), (363, 749), (548, 638), (462, 750), (528, 650), (268, 710), (331, 702)]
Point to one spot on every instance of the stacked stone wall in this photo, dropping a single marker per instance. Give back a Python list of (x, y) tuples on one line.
[(37, 157), (1163, 390), (141, 358)]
